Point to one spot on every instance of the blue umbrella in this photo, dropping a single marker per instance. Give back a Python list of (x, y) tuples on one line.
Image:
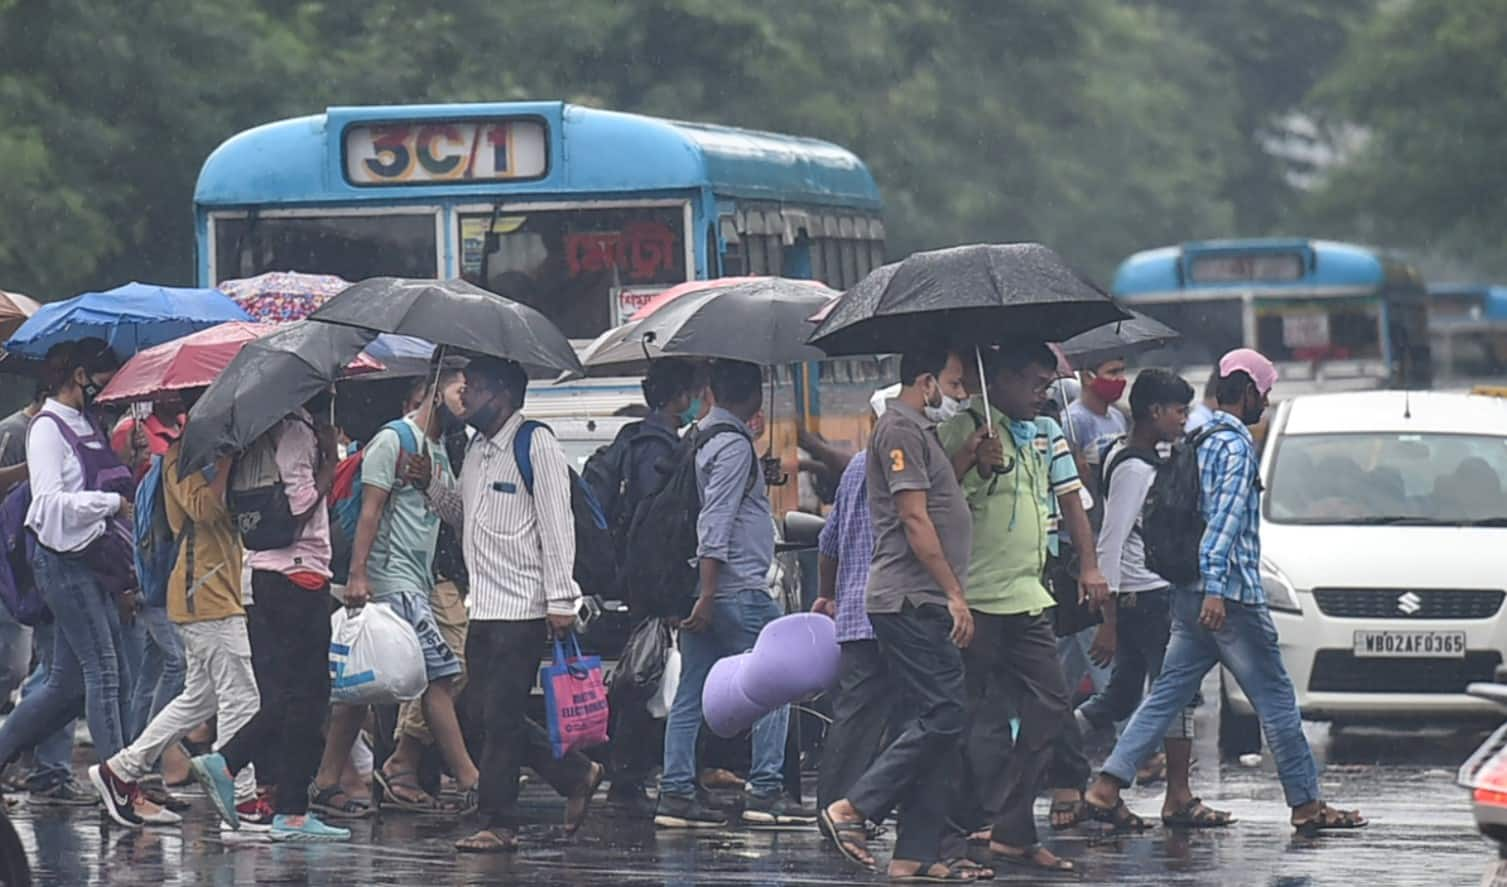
[(129, 317)]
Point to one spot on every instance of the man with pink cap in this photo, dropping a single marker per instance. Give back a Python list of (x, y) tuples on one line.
[(1224, 618)]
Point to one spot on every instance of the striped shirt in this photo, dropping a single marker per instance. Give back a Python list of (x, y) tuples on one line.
[(848, 538), (1229, 557), (520, 550)]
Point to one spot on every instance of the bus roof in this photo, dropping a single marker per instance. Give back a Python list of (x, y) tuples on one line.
[(1493, 297), (592, 152), (1327, 264)]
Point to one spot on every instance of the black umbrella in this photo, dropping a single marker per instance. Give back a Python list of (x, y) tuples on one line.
[(455, 314), (266, 381), (984, 294), (1123, 338)]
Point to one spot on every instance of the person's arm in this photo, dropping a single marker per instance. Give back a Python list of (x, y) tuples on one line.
[(834, 457), (203, 500), (379, 475), (1226, 518), (1121, 510), (46, 451), (297, 453), (829, 550), (921, 534), (557, 531), (11, 476), (729, 462)]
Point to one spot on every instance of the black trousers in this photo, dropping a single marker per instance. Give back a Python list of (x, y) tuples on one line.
[(637, 740), (862, 715), (290, 628), (503, 658), (1012, 666), (917, 770)]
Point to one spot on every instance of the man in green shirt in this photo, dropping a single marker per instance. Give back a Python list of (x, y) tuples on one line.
[(1017, 481)]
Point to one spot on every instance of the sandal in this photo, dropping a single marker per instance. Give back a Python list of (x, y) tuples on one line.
[(1154, 771), (1068, 814), (419, 800), (1030, 858), (1330, 819), (850, 838), (489, 841), (574, 818), (327, 802), (1118, 816), (1196, 814), (952, 870)]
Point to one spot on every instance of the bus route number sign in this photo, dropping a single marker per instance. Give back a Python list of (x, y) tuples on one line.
[(441, 152)]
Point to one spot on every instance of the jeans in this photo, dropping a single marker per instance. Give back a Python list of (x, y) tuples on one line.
[(1143, 629), (53, 755), (916, 772), (293, 677), (15, 654), (863, 714), (86, 662), (737, 619), (507, 657), (219, 684), (158, 667), (1247, 646)]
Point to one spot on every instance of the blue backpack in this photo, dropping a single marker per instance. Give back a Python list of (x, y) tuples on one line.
[(156, 547), (595, 569), (346, 495), (18, 588)]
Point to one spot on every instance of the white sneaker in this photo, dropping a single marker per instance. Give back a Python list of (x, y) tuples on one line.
[(163, 816), (1251, 761)]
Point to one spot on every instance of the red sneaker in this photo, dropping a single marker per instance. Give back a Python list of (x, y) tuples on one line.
[(255, 814)]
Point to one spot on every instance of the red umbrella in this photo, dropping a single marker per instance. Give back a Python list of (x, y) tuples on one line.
[(194, 361)]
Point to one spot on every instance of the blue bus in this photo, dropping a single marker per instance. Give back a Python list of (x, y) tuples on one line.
[(1468, 327), (582, 213), (1331, 313)]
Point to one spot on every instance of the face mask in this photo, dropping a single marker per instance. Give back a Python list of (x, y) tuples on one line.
[(946, 410), (690, 413), (1106, 389)]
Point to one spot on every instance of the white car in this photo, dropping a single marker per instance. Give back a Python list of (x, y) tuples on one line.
[(1384, 552)]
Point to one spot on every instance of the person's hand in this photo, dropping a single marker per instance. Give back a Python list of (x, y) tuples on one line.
[(962, 623), (128, 603), (561, 625), (357, 591), (700, 618), (1212, 614), (825, 606), (127, 510), (990, 452), (415, 469), (139, 442), (1093, 588), (1102, 650)]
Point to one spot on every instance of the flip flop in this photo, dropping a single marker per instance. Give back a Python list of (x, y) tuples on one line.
[(845, 836), (492, 843), (407, 780), (1027, 860), (573, 823), (955, 870), (1076, 809), (324, 801), (1195, 814)]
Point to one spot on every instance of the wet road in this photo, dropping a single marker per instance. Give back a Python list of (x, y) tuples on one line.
[(1421, 835)]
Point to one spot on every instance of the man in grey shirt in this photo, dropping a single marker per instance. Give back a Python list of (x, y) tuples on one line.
[(923, 536), (735, 545)]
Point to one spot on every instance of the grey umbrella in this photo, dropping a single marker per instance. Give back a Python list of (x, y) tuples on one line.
[(457, 315), (266, 381), (1122, 338)]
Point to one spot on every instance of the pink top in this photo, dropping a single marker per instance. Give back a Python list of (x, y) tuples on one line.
[(297, 460)]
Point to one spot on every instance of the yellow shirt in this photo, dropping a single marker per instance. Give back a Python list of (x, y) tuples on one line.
[(206, 580)]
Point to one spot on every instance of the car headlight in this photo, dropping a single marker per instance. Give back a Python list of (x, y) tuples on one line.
[(1280, 595)]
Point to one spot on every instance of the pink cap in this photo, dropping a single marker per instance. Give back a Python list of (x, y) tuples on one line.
[(1253, 363)]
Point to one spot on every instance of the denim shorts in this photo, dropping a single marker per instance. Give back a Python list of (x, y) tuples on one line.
[(439, 660)]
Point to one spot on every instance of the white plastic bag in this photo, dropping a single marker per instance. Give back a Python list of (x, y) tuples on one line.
[(375, 658), (664, 697)]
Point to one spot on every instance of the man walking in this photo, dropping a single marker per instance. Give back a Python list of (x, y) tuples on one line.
[(1225, 619), (916, 604), (1138, 614), (735, 546)]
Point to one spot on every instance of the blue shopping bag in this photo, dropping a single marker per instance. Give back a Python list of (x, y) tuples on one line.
[(575, 699)]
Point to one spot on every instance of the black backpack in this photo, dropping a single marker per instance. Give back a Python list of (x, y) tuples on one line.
[(1172, 520), (611, 470), (594, 570), (660, 573), (257, 498), (1127, 452)]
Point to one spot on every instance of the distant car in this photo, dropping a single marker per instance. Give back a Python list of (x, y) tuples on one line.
[(1384, 553)]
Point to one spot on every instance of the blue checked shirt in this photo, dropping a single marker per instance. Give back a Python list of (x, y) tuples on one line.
[(848, 538), (1230, 555)]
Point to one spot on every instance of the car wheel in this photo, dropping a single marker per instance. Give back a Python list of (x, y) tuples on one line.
[(1239, 734)]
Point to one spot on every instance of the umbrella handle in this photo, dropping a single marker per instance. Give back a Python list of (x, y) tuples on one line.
[(978, 355)]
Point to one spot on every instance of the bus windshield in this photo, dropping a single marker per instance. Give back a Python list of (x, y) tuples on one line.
[(1209, 328), (350, 246), (1307, 330)]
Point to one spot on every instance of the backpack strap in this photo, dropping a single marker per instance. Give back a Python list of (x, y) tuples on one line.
[(1126, 453), (704, 436), (523, 450)]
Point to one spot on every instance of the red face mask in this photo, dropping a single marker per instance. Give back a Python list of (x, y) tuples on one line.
[(1106, 389)]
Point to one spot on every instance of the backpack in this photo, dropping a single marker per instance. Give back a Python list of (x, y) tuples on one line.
[(1172, 520), (661, 576), (258, 500), (346, 497), (156, 548), (595, 569), (610, 472), (1107, 470), (18, 588)]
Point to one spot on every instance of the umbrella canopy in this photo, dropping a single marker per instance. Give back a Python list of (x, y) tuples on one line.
[(402, 357), (129, 317), (268, 379), (195, 361), (1123, 338), (283, 296), (763, 320), (968, 295), (455, 314), (14, 310)]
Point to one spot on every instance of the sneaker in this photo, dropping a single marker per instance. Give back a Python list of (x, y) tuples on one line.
[(255, 815), (155, 790), (632, 799), (213, 773), (775, 808), (678, 811), (119, 796), (306, 829), (162, 816), (68, 793)]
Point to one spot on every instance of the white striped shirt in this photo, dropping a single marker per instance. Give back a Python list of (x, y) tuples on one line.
[(520, 550)]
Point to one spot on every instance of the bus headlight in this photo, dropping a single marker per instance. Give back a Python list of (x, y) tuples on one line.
[(1280, 595)]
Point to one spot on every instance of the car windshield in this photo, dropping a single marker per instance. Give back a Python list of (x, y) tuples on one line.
[(1388, 478)]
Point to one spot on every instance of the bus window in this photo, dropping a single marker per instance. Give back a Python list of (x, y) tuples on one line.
[(572, 264), (1209, 328), (1318, 330), (353, 247)]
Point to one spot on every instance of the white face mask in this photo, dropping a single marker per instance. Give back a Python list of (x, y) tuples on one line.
[(949, 408)]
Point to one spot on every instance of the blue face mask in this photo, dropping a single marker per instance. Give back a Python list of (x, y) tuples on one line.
[(691, 413), (1024, 432)]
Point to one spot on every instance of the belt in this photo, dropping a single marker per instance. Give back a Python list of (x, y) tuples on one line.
[(1128, 600)]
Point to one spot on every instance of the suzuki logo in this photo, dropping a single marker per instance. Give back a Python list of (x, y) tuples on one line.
[(1409, 604)]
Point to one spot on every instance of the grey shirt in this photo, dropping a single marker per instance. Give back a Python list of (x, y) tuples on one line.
[(13, 438), (905, 454), (734, 524)]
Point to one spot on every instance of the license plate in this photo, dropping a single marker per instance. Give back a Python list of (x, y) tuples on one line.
[(1496, 875), (1410, 644)]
